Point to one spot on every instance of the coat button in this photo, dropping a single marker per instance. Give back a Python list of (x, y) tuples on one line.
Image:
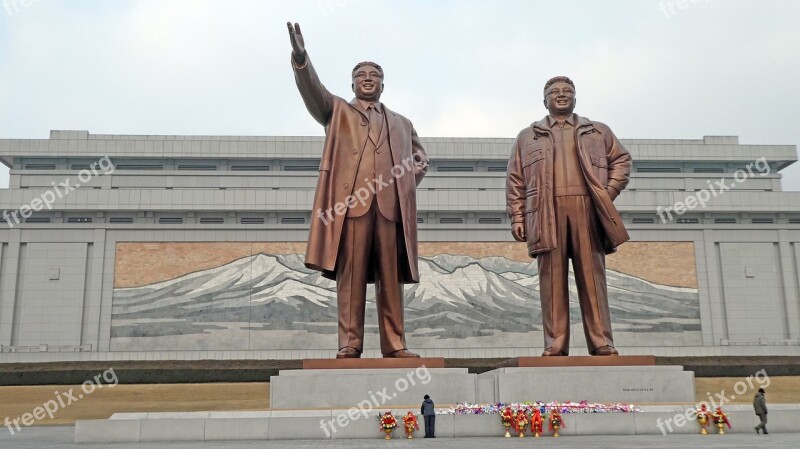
[(355, 151), (363, 123), (346, 185)]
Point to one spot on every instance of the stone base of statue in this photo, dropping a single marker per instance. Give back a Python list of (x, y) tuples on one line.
[(632, 379), (377, 383), (320, 403)]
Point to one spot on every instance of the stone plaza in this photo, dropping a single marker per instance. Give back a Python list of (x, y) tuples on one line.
[(62, 437)]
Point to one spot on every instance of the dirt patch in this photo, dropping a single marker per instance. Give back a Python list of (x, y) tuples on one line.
[(103, 402)]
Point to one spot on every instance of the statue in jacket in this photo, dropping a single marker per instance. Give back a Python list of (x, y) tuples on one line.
[(563, 176)]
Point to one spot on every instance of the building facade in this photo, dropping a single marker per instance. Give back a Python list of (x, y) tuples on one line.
[(118, 247)]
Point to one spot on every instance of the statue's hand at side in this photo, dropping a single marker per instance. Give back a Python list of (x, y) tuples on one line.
[(298, 43), (518, 231)]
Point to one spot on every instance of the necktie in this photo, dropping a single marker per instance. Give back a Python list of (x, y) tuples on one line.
[(375, 123)]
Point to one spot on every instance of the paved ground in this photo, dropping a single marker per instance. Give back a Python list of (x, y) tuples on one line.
[(61, 438)]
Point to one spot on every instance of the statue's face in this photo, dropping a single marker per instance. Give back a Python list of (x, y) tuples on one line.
[(560, 98), (368, 83)]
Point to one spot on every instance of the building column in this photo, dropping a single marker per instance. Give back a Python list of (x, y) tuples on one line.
[(704, 290), (789, 259), (716, 295), (92, 302), (8, 286)]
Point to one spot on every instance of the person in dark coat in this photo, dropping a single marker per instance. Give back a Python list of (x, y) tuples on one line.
[(429, 414), (760, 406)]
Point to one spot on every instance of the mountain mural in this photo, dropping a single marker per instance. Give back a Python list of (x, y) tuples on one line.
[(459, 297)]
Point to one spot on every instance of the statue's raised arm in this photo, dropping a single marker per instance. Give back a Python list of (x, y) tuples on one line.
[(316, 97), (298, 43)]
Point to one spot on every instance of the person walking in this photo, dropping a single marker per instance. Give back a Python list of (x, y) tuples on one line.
[(429, 415), (760, 406)]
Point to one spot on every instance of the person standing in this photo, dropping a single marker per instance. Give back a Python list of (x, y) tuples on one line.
[(364, 225), (429, 415), (563, 176), (760, 406)]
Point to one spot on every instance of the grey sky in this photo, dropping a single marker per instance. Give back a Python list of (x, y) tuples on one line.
[(649, 69)]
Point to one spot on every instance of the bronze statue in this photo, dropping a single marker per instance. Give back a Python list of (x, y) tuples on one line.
[(563, 176), (364, 217)]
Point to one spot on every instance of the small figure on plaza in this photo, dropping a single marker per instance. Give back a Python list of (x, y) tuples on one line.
[(760, 407), (428, 412)]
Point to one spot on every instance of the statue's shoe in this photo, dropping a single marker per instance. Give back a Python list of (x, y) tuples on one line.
[(553, 352), (348, 353), (401, 354), (605, 350)]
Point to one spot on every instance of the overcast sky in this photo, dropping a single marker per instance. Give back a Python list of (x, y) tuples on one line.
[(649, 69)]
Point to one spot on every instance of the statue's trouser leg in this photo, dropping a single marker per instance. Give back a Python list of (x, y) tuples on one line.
[(554, 289), (388, 288), (352, 263), (369, 242), (579, 238), (589, 263)]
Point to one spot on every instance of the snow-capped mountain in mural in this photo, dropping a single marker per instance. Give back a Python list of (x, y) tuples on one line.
[(458, 297)]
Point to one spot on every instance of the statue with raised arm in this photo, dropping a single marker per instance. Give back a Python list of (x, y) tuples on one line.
[(563, 176), (364, 217)]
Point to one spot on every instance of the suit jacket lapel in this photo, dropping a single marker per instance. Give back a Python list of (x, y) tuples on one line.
[(357, 106), (391, 120), (391, 117)]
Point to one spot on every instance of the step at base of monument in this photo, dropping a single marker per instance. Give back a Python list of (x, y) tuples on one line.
[(312, 425)]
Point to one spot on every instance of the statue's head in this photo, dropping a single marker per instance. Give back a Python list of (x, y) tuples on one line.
[(368, 81), (559, 95)]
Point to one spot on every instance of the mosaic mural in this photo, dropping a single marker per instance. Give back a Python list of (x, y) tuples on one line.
[(245, 296)]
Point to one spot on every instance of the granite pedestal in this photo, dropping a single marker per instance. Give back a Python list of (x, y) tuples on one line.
[(636, 384), (378, 388)]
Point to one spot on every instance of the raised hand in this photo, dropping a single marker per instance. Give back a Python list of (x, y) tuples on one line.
[(298, 43)]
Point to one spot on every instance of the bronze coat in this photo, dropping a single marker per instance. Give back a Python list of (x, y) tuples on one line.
[(346, 136), (606, 166)]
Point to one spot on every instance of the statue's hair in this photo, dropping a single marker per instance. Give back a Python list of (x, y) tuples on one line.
[(557, 79), (363, 63)]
